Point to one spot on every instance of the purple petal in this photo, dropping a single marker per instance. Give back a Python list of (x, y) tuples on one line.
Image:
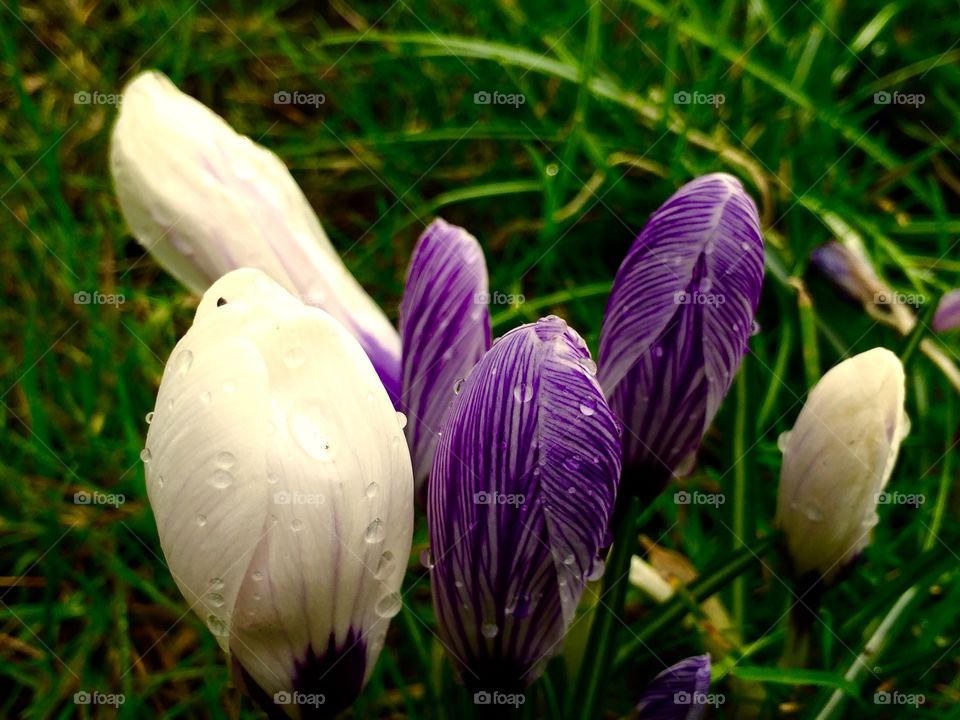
[(678, 321), (848, 270), (679, 692), (521, 491), (947, 316), (445, 330)]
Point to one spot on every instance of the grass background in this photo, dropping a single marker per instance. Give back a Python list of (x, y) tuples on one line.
[(555, 189)]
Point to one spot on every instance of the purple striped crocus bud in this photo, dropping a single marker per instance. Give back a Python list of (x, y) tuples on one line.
[(283, 493), (837, 460), (445, 327), (520, 494), (204, 200), (677, 324), (679, 692), (947, 316)]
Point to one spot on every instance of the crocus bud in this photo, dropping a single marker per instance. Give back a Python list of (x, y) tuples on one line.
[(520, 495), (838, 459), (283, 492), (947, 316), (445, 326), (677, 324), (679, 692), (204, 200)]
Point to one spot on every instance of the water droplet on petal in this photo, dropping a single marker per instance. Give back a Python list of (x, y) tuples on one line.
[(596, 570), (572, 463), (523, 393), (226, 460), (221, 479), (489, 630), (149, 417), (273, 478), (813, 513), (201, 520), (183, 362), (372, 490), (389, 605), (217, 626), (296, 525), (215, 599), (458, 385), (257, 576), (426, 559), (588, 406), (783, 441), (402, 419), (375, 531), (569, 559), (145, 455)]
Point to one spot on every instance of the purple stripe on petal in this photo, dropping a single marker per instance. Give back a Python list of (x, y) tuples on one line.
[(679, 692), (678, 321), (445, 330), (947, 316), (521, 491)]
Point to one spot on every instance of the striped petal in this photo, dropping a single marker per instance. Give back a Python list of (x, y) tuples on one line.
[(521, 491), (445, 329), (679, 692), (678, 321)]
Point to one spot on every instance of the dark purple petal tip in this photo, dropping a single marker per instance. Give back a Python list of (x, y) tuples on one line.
[(445, 330), (520, 495), (679, 692), (947, 316), (680, 315)]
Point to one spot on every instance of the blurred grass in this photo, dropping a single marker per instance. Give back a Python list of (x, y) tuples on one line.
[(555, 189)]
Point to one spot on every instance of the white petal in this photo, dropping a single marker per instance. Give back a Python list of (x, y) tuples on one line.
[(205, 200)]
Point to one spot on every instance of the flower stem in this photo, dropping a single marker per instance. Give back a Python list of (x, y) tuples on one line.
[(599, 653)]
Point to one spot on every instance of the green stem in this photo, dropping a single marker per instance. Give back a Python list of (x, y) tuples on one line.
[(740, 452), (599, 654)]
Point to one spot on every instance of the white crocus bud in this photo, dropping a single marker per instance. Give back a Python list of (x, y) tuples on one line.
[(283, 491), (838, 459), (204, 200)]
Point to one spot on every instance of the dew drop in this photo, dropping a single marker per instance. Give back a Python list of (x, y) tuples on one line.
[(145, 455), (149, 417), (783, 441), (273, 478), (221, 479), (552, 169), (217, 626), (402, 420), (184, 361), (588, 406), (523, 393), (257, 576), (372, 490), (813, 513), (596, 570), (201, 520), (159, 480), (389, 605), (296, 525), (426, 559), (572, 462), (385, 564), (458, 385), (589, 365), (216, 599), (216, 583), (375, 531), (226, 460), (569, 559), (489, 630)]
